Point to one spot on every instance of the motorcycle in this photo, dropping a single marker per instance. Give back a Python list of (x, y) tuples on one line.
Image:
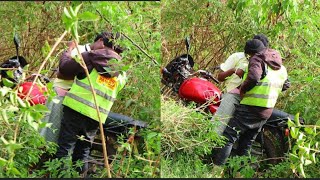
[(197, 86)]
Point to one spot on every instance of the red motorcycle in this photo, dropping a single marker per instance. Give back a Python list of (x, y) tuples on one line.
[(196, 86)]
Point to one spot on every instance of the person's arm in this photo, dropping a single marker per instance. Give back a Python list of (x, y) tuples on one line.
[(229, 67), (223, 75), (254, 75), (68, 67)]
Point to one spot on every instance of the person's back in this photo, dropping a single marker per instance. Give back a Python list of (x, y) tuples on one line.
[(80, 117), (264, 92)]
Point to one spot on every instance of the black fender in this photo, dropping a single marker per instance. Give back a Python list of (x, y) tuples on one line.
[(119, 123)]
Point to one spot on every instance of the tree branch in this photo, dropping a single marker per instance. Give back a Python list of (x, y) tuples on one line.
[(135, 44)]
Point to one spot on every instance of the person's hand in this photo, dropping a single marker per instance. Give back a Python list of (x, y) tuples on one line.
[(239, 72), (71, 45)]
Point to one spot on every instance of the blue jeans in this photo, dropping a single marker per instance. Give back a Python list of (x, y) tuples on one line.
[(246, 125), (226, 111)]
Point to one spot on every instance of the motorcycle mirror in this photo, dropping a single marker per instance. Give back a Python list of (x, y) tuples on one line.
[(16, 41), (17, 44), (187, 42)]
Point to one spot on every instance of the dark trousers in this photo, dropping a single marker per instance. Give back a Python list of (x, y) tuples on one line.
[(74, 124), (245, 125)]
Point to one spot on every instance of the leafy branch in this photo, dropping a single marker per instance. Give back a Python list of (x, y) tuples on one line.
[(134, 43), (71, 22)]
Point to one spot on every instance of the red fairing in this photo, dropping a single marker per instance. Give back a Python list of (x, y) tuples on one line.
[(200, 90), (37, 93)]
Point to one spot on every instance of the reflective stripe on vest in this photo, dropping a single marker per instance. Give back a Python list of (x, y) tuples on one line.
[(83, 101), (80, 97), (87, 87), (265, 93)]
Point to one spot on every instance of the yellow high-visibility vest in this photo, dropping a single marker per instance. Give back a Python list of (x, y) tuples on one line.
[(80, 97), (267, 90)]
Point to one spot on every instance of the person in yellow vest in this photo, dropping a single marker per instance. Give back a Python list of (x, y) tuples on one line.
[(258, 94), (79, 112), (62, 83), (232, 71)]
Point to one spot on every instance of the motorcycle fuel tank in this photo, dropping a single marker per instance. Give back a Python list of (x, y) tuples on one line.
[(200, 90)]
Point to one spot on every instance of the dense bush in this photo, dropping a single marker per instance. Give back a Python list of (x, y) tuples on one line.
[(186, 130)]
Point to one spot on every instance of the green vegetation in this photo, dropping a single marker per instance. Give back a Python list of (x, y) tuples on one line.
[(219, 28), (23, 152), (180, 145)]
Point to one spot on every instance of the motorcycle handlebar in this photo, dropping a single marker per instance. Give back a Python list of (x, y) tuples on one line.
[(207, 74)]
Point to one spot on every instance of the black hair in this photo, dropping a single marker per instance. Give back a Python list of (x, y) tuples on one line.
[(263, 39), (109, 41), (253, 46)]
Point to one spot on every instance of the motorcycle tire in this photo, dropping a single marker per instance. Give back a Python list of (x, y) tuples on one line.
[(111, 143), (273, 143)]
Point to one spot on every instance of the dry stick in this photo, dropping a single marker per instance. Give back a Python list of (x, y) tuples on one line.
[(135, 44), (44, 62), (157, 163), (17, 129), (104, 146), (8, 68), (131, 137), (121, 162)]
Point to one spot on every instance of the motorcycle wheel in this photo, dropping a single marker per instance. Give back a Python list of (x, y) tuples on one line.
[(111, 143), (269, 145)]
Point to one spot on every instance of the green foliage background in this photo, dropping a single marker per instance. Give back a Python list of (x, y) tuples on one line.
[(219, 28), (39, 25)]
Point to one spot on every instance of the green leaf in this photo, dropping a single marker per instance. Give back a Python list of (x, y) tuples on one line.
[(301, 170), (309, 130), (73, 14), (46, 48), (14, 171), (126, 146), (307, 162), (4, 115), (3, 162), (290, 123), (294, 132), (10, 74), (7, 82), (4, 90), (12, 146), (151, 135), (40, 108), (300, 137), (74, 30), (313, 157), (65, 10), (296, 119), (293, 157), (88, 16), (76, 10), (126, 67), (67, 22)]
